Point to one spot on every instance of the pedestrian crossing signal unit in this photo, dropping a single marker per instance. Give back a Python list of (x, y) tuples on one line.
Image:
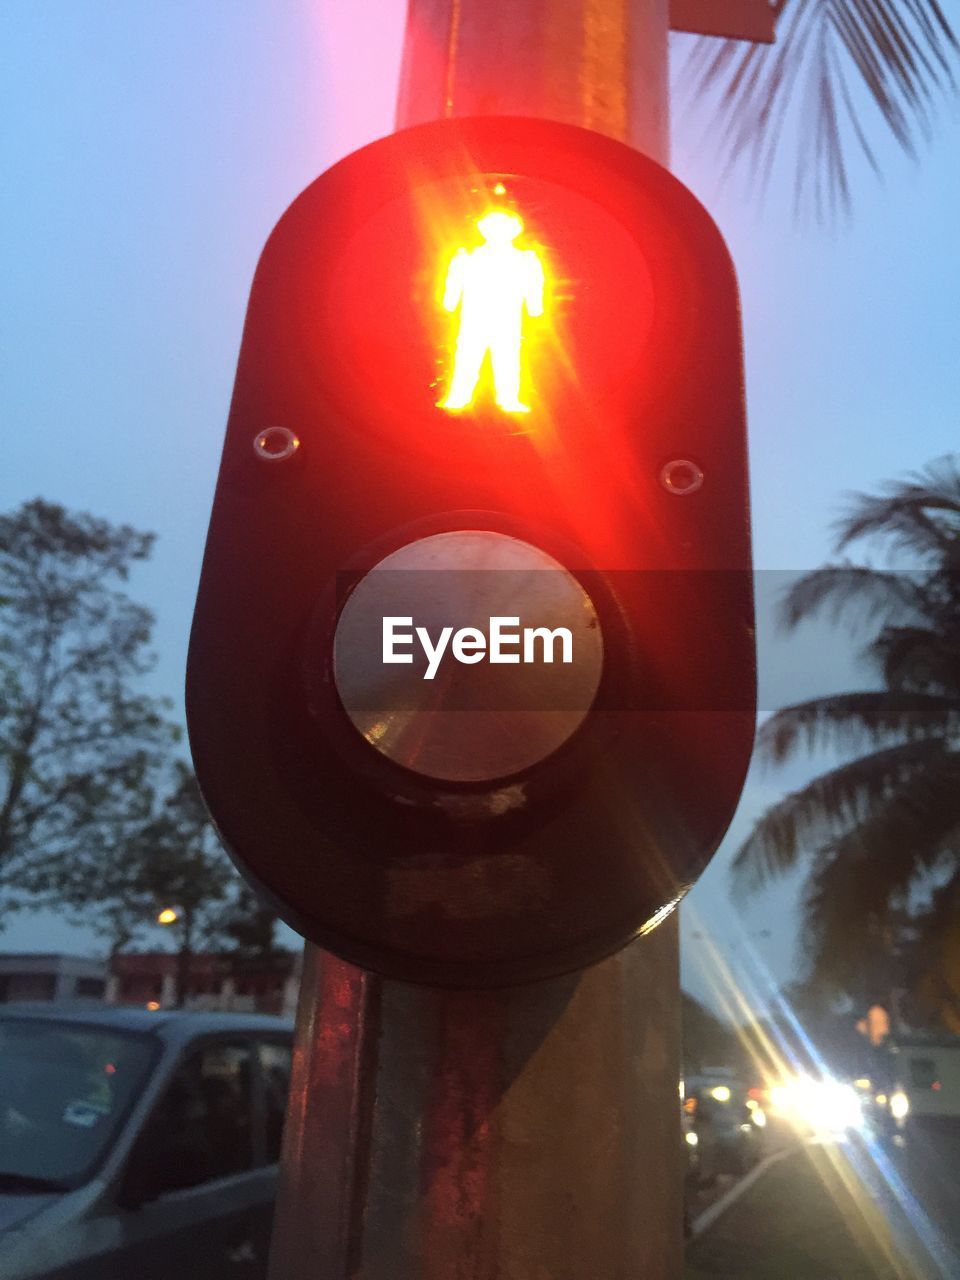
[(471, 687)]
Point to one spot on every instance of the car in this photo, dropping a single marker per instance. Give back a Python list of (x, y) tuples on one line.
[(723, 1132), (921, 1097), (138, 1143)]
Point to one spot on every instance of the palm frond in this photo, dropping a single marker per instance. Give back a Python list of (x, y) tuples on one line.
[(938, 917), (860, 880), (832, 805), (903, 52), (920, 514), (856, 721), (920, 659), (841, 944), (855, 594)]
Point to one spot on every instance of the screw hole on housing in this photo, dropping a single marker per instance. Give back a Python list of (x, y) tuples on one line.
[(275, 444), (681, 477)]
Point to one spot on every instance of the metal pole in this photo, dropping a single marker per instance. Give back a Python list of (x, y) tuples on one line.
[(524, 1134), (601, 64)]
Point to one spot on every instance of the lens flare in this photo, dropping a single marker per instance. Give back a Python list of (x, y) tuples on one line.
[(830, 1116)]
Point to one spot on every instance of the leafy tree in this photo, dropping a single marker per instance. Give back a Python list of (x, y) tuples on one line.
[(249, 927), (247, 930), (170, 858), (181, 864), (78, 740), (832, 59), (882, 828), (101, 889)]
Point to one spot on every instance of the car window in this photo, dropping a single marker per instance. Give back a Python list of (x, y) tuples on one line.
[(201, 1128), (64, 1090), (275, 1060)]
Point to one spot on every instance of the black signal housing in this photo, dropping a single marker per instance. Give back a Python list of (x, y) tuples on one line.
[(630, 470)]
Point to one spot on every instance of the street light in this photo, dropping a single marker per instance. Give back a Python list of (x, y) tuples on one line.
[(169, 915)]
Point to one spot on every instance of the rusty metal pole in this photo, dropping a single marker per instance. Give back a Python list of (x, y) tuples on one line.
[(601, 64), (524, 1134)]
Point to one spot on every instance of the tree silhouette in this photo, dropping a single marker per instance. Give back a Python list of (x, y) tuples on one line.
[(78, 739), (882, 828), (831, 60)]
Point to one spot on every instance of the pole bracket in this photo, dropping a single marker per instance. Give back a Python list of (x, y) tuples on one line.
[(753, 20)]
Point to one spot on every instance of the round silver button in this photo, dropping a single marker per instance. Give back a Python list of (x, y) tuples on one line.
[(468, 619)]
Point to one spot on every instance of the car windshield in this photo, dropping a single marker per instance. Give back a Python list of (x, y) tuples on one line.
[(64, 1089)]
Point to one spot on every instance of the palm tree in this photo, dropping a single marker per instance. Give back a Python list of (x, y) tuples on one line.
[(935, 957), (881, 828), (832, 59)]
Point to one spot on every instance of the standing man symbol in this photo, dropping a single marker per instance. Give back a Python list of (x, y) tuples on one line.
[(493, 285)]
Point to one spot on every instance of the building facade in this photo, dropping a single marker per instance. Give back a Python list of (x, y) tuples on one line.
[(214, 981), (47, 976)]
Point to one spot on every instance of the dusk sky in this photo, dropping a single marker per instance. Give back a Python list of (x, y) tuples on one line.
[(148, 148)]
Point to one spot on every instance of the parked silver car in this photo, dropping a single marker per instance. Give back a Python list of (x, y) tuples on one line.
[(138, 1144)]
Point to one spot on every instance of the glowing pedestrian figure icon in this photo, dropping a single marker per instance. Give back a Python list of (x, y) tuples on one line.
[(493, 285)]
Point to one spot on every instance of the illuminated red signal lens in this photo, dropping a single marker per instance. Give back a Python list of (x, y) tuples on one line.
[(569, 298)]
